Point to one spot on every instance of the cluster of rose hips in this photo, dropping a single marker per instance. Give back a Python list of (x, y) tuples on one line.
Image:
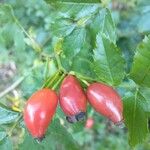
[(42, 105)]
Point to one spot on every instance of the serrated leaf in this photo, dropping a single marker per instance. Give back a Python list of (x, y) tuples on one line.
[(71, 46), (127, 46), (57, 137), (77, 66), (144, 94), (108, 62), (73, 11), (87, 11), (7, 116), (68, 16), (73, 43), (62, 27), (77, 53), (73, 1), (103, 23), (136, 119), (140, 72)]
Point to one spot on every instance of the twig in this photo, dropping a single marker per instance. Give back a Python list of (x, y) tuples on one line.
[(60, 67), (13, 86)]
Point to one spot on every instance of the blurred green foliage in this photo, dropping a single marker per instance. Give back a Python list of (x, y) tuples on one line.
[(47, 25)]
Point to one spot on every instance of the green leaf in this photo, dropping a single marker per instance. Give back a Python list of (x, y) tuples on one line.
[(136, 119), (61, 135), (77, 53), (2, 134), (35, 80), (6, 144), (6, 14), (73, 12), (62, 27), (77, 65), (72, 44), (12, 36), (144, 95), (69, 16), (57, 137), (78, 126), (103, 23), (73, 1), (140, 72), (128, 46), (108, 62), (7, 116)]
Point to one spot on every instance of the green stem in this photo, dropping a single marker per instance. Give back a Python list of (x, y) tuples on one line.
[(50, 80), (85, 82), (60, 67), (81, 76), (46, 68), (57, 83), (13, 86)]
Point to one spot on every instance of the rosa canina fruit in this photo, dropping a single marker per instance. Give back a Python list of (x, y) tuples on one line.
[(72, 99), (106, 101), (39, 111), (89, 123)]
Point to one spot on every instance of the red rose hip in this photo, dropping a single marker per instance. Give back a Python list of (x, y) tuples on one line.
[(72, 99), (106, 101), (39, 111)]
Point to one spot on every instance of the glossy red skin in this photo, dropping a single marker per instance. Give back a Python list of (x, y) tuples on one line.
[(89, 123), (106, 101), (72, 97), (39, 111)]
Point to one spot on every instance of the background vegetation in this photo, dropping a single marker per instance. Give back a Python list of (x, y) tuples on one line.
[(30, 32)]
